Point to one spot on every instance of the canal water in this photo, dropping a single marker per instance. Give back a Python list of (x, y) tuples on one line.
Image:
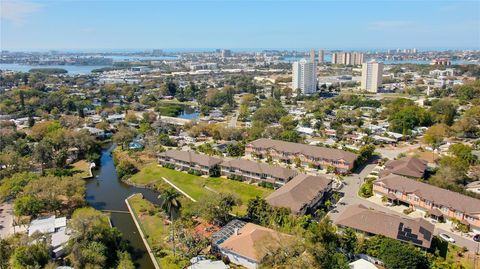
[(106, 192)]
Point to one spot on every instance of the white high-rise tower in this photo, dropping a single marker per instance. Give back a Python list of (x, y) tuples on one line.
[(304, 76), (372, 76)]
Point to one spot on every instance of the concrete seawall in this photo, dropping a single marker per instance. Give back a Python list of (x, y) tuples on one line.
[(142, 235)]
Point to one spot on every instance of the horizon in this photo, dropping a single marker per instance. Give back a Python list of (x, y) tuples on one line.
[(34, 25)]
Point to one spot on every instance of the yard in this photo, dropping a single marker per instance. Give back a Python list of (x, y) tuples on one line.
[(154, 228), (197, 187), (82, 167)]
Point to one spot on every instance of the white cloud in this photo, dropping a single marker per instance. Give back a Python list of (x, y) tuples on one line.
[(390, 25), (17, 11)]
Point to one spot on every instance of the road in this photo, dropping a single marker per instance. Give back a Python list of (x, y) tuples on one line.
[(350, 197), (233, 120), (6, 220)]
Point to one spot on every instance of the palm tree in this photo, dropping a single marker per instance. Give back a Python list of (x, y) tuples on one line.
[(170, 203)]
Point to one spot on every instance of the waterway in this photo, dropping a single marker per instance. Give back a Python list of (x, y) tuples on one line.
[(189, 113), (72, 69), (106, 192)]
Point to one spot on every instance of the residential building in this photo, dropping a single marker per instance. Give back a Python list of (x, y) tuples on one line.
[(201, 262), (347, 58), (304, 76), (473, 186), (321, 56), (371, 222), (226, 53), (441, 61), (312, 56), (56, 228), (188, 160), (362, 264), (431, 200), (407, 167), (302, 194), (308, 155), (256, 172), (246, 244), (372, 76)]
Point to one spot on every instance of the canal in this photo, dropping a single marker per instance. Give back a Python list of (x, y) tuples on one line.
[(106, 192)]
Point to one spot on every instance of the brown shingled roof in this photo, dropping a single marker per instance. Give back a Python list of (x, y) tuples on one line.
[(407, 166), (298, 192), (431, 193), (308, 150), (261, 168), (191, 157), (417, 231)]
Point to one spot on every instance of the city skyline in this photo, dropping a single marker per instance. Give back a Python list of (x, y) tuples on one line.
[(106, 25)]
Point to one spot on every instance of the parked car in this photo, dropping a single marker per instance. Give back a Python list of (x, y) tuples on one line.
[(446, 237), (476, 238)]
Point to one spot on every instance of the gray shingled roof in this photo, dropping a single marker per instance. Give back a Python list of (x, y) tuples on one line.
[(408, 166), (308, 150)]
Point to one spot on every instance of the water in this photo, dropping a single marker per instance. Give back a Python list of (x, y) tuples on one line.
[(188, 113), (72, 69), (122, 58), (107, 192)]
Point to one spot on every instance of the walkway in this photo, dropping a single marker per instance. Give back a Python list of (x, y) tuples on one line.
[(178, 189), (6, 220)]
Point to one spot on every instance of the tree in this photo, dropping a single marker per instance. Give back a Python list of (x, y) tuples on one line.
[(365, 153), (217, 208), (27, 206), (123, 136), (434, 136), (31, 256), (349, 241), (463, 152), (125, 261), (235, 150), (171, 204)]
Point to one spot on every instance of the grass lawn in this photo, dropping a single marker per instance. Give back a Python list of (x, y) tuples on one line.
[(152, 224), (82, 167), (194, 185), (467, 259)]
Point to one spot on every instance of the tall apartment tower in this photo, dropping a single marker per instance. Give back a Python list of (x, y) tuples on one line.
[(304, 76), (372, 76), (347, 58), (321, 56), (312, 55)]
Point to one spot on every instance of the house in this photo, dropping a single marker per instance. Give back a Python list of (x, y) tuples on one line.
[(431, 200), (362, 264), (56, 228), (99, 133), (301, 194), (201, 262), (407, 166), (371, 222), (255, 172), (188, 160), (319, 157), (246, 244)]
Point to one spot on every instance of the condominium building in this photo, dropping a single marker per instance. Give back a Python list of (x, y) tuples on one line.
[(430, 200), (312, 55), (372, 73), (321, 56), (304, 76), (307, 155), (190, 161), (256, 172), (347, 58)]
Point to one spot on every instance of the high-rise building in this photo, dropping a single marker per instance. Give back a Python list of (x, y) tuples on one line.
[(312, 55), (372, 76), (226, 53), (304, 76), (347, 58), (321, 56)]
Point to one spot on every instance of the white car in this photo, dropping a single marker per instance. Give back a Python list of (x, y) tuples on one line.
[(446, 237)]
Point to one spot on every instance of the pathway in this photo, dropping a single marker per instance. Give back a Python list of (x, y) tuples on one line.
[(178, 189), (6, 220)]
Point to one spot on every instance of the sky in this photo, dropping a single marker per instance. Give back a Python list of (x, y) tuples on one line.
[(340, 24)]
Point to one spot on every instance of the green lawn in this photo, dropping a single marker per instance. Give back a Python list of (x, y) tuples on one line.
[(194, 185), (82, 167), (152, 224)]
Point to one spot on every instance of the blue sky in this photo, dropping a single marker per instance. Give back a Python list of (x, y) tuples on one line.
[(108, 24)]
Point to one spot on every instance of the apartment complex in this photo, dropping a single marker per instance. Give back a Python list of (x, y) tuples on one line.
[(308, 155), (304, 76), (347, 58), (312, 56), (431, 200), (371, 222), (407, 167), (303, 194), (372, 76), (188, 160), (256, 172)]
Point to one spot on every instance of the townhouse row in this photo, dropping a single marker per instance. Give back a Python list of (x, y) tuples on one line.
[(308, 155), (433, 201)]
